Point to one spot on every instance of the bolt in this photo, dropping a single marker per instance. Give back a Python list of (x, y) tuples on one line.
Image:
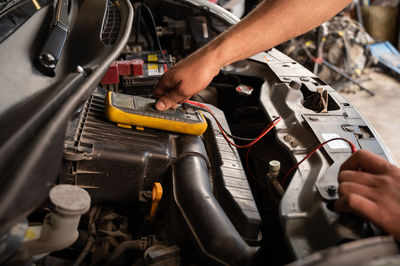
[(331, 190), (295, 85), (48, 60), (293, 143), (287, 138), (80, 70)]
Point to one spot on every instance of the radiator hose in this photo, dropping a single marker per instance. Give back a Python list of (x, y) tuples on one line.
[(213, 231)]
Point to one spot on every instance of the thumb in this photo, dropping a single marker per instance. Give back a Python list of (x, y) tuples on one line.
[(172, 98), (166, 102)]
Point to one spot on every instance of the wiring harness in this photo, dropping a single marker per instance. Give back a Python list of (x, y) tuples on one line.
[(150, 13)]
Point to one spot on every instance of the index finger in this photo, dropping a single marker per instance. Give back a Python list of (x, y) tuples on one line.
[(367, 162), (161, 87), (165, 84)]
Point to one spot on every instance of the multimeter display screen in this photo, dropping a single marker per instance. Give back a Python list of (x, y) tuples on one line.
[(123, 101)]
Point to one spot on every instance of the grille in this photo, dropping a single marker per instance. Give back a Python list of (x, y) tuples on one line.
[(111, 25)]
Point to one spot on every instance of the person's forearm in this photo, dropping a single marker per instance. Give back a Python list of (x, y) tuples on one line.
[(271, 23)]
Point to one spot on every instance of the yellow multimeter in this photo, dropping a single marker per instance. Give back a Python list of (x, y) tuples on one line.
[(128, 110)]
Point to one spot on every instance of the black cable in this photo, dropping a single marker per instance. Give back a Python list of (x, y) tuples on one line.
[(138, 24), (201, 97), (121, 249), (226, 132), (155, 32), (85, 251), (216, 84), (216, 120)]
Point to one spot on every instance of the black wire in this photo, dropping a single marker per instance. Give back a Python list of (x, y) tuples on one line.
[(226, 132), (216, 84), (216, 120), (155, 32), (201, 97), (138, 24)]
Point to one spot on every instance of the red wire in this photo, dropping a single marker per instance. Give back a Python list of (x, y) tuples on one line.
[(263, 133), (352, 147), (249, 145), (266, 130)]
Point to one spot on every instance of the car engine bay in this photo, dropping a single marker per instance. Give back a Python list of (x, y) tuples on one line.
[(153, 197)]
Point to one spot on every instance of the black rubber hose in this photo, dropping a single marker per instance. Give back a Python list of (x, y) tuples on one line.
[(127, 245), (214, 232), (85, 252)]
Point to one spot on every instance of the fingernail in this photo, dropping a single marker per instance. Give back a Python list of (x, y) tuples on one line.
[(160, 106)]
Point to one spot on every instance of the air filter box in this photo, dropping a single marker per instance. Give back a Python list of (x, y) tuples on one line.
[(113, 163)]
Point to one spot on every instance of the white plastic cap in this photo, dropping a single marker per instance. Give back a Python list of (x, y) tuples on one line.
[(69, 200), (274, 165)]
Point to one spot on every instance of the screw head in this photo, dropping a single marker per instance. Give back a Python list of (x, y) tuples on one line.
[(331, 190), (48, 60)]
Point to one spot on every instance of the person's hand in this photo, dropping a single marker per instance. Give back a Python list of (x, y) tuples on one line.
[(370, 187), (184, 79)]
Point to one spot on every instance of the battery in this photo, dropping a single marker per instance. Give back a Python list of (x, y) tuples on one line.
[(154, 66), (139, 73)]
